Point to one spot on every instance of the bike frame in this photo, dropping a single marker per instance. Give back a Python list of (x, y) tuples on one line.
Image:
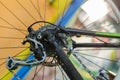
[(89, 33), (23, 71), (94, 33)]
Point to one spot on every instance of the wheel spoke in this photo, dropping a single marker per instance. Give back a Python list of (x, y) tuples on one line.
[(35, 73), (13, 28), (14, 47), (16, 55), (63, 73), (2, 63), (100, 58), (94, 63), (11, 38), (43, 75), (5, 75), (13, 14), (12, 25), (38, 10), (26, 10)]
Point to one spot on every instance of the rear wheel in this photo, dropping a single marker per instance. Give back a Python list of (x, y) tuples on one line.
[(16, 16)]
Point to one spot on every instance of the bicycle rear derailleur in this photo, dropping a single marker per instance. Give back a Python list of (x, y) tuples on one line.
[(41, 45)]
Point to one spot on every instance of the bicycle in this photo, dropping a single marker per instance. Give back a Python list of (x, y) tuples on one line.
[(54, 41)]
